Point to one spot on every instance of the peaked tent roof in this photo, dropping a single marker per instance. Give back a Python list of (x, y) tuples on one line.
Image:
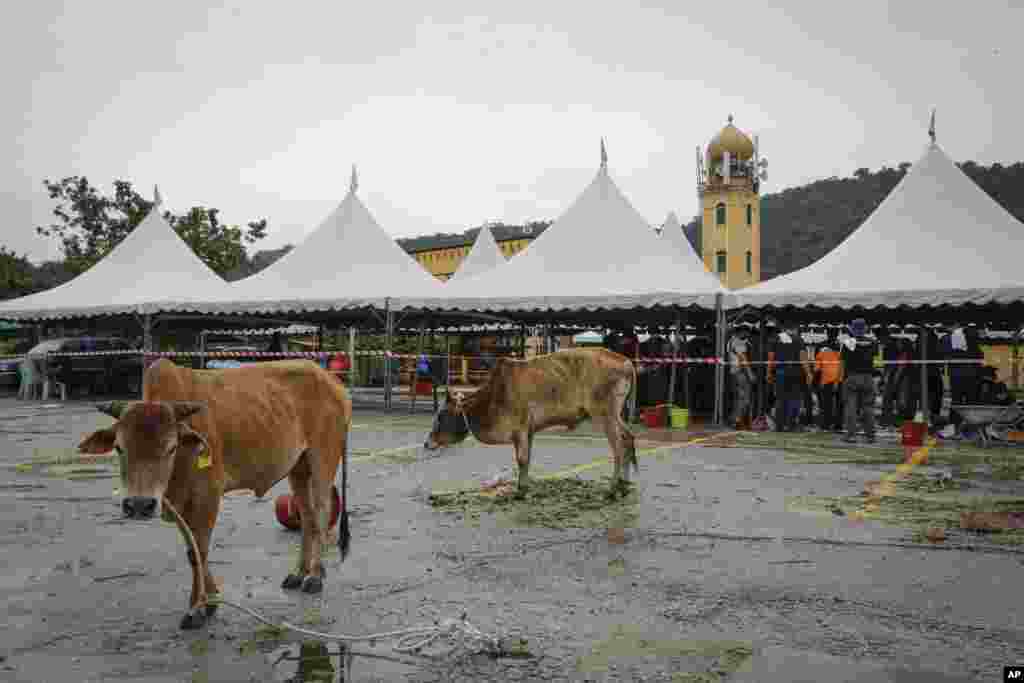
[(672, 232), (484, 255), (937, 240), (150, 270), (347, 262), (600, 254)]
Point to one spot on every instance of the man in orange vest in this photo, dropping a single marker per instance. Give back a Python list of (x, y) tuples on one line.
[(830, 378)]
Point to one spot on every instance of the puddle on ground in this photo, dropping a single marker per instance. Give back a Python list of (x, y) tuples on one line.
[(313, 661)]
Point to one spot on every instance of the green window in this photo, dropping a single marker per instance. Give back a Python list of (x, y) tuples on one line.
[(720, 214), (721, 261), (750, 215), (750, 261)]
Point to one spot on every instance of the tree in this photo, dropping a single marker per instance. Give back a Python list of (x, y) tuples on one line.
[(15, 275), (222, 247), (90, 224)]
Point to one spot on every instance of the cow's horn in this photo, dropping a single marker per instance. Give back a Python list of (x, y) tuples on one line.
[(186, 409), (113, 408)]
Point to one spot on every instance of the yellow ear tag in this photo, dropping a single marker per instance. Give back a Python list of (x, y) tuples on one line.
[(203, 461)]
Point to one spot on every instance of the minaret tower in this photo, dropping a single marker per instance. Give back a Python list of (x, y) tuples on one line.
[(729, 174)]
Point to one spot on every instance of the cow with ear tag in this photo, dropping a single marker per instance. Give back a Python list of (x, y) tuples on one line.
[(198, 434)]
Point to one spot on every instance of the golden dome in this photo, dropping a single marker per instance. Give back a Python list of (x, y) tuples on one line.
[(732, 140)]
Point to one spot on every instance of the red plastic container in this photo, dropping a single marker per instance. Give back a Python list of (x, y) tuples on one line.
[(654, 418), (912, 433), (424, 387), (287, 510)]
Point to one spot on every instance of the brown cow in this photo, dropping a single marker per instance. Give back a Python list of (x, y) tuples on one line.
[(198, 434), (521, 398)]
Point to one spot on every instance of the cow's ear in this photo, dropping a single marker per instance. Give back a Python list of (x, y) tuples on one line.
[(100, 441), (190, 442)]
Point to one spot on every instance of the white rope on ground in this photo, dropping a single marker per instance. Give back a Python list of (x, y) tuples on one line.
[(459, 632)]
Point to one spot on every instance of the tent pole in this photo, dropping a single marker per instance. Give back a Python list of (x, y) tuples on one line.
[(415, 372), (762, 376), (352, 355), (147, 345), (1015, 359), (924, 373), (719, 353), (675, 357), (387, 353)]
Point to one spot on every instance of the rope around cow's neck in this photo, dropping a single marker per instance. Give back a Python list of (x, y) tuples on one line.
[(190, 541), (459, 632), (465, 418)]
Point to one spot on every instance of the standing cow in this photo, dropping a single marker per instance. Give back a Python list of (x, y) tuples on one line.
[(521, 398), (198, 434)]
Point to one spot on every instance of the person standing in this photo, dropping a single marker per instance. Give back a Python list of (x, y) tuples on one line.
[(935, 387), (858, 355), (786, 362), (830, 374), (742, 380)]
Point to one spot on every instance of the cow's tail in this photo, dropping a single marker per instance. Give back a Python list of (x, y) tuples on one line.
[(630, 439), (344, 536)]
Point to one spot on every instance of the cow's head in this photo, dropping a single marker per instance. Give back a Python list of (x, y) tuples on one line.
[(450, 424), (149, 436)]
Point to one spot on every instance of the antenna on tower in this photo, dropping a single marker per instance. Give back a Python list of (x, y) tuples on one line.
[(353, 183), (931, 127), (157, 199), (604, 155)]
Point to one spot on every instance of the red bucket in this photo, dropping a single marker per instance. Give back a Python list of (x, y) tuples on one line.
[(912, 433), (287, 510), (654, 417)]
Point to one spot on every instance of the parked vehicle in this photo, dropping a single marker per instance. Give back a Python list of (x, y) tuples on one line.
[(9, 374), (101, 374)]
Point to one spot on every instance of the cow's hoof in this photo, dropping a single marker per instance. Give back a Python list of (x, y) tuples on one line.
[(193, 619), (519, 494), (313, 585), (211, 610), (291, 582)]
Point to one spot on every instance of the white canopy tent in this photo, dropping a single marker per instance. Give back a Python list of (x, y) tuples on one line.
[(937, 240), (600, 254), (672, 232), (484, 255), (151, 270), (347, 262)]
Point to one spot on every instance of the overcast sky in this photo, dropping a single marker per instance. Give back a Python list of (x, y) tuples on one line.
[(260, 108)]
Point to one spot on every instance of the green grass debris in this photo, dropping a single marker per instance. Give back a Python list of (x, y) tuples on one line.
[(918, 504), (556, 503), (710, 661)]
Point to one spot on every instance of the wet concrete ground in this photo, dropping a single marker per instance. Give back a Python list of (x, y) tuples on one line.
[(676, 596)]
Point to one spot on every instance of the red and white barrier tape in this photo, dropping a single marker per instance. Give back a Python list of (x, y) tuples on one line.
[(648, 360)]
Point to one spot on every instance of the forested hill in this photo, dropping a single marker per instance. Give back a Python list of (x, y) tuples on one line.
[(801, 224)]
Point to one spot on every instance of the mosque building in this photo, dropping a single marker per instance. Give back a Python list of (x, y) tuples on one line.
[(728, 183)]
